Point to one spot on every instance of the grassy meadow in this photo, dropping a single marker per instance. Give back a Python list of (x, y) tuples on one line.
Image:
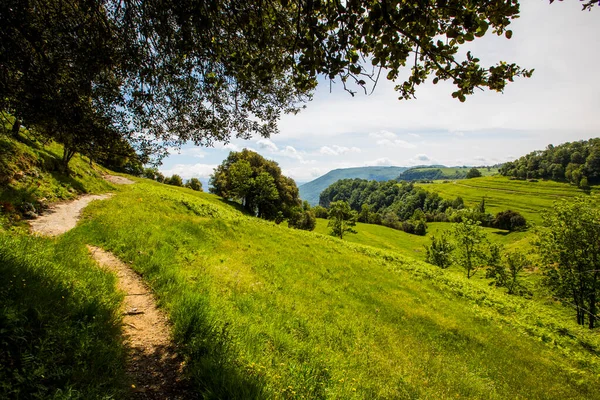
[(263, 311), (267, 312), (501, 193)]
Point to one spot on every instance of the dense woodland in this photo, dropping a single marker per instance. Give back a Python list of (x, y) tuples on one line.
[(574, 162)]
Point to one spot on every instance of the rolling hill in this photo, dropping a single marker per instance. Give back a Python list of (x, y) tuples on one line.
[(310, 191), (262, 311)]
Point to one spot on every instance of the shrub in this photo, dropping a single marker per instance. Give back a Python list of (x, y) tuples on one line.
[(509, 220), (439, 252), (175, 180), (194, 184)]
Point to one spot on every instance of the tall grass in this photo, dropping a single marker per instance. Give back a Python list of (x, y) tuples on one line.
[(263, 311), (59, 322)]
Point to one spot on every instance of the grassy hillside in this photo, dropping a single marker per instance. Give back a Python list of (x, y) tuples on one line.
[(501, 193), (269, 312), (29, 173), (441, 173), (264, 311), (310, 191), (385, 238)]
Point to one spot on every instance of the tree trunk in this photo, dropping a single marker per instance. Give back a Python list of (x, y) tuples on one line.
[(68, 154), (16, 127)]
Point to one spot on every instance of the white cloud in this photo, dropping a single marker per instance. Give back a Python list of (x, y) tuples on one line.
[(415, 135), (187, 171), (422, 157), (267, 145), (336, 150), (382, 134), (381, 162)]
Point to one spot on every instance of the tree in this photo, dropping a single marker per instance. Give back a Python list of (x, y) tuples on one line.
[(302, 218), (342, 219), (256, 183), (174, 180), (180, 71), (473, 173), (439, 252), (194, 184), (471, 246), (569, 245), (509, 220), (507, 272)]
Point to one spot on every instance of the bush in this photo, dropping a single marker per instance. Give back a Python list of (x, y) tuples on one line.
[(320, 212), (194, 184), (175, 180), (473, 173), (439, 252), (509, 220), (302, 219)]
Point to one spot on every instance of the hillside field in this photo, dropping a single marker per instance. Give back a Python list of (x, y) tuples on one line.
[(501, 193), (261, 311)]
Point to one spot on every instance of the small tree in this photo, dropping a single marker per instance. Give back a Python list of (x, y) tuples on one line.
[(342, 219), (570, 249), (320, 212), (194, 184), (175, 180), (439, 252), (473, 173), (471, 246), (509, 220), (505, 271), (302, 218)]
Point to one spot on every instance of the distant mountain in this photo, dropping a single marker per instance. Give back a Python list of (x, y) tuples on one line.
[(310, 191)]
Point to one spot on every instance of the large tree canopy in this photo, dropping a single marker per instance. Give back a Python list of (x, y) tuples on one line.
[(257, 183), (164, 72)]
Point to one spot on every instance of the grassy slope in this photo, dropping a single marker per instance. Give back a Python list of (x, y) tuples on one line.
[(29, 173), (60, 333), (265, 311), (528, 198), (412, 245)]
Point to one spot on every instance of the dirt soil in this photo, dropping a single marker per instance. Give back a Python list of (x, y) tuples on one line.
[(153, 366), (64, 216), (119, 180)]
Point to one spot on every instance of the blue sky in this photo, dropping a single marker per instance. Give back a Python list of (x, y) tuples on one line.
[(560, 103)]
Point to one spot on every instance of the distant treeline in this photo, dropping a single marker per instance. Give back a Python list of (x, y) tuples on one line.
[(403, 206), (575, 162), (390, 203), (431, 174)]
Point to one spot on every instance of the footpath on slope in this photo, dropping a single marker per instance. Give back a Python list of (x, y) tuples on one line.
[(153, 365)]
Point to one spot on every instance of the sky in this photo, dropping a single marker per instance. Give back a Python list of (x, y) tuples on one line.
[(560, 103)]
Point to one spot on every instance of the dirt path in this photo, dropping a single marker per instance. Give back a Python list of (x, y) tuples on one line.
[(153, 365), (63, 217), (119, 180)]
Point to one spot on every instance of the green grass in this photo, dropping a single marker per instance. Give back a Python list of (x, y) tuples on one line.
[(60, 334), (501, 193), (29, 173), (263, 311), (413, 245)]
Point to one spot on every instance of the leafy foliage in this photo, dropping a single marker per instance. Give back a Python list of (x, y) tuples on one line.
[(256, 183), (575, 162), (439, 252), (174, 180), (341, 219), (473, 173), (570, 248), (471, 246), (96, 73), (507, 272), (509, 220), (194, 184)]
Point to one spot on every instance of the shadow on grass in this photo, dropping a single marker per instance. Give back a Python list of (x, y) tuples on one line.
[(502, 233), (57, 336)]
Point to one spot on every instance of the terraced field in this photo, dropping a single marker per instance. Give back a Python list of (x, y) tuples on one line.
[(501, 193)]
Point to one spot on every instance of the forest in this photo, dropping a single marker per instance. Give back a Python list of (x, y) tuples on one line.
[(574, 162)]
